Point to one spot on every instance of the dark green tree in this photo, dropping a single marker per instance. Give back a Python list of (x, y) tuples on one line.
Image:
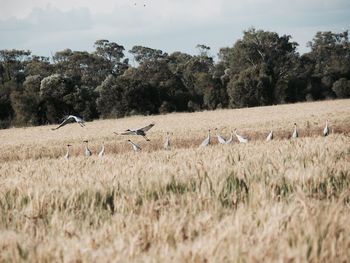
[(330, 53), (27, 103), (142, 54), (124, 95), (251, 87), (258, 50), (342, 88)]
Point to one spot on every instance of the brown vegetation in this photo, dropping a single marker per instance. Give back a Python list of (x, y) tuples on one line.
[(286, 200)]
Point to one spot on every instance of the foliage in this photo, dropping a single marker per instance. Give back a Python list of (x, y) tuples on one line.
[(342, 88), (252, 87), (262, 68), (120, 96)]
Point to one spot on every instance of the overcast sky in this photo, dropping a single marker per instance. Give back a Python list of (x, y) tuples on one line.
[(47, 26)]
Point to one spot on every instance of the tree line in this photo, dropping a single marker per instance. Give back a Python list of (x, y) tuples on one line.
[(262, 68)]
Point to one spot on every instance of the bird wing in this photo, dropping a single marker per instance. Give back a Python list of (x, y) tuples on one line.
[(241, 138), (64, 122), (206, 141), (78, 119), (146, 128), (295, 134), (270, 136), (136, 147), (221, 139), (325, 131), (102, 152), (128, 133)]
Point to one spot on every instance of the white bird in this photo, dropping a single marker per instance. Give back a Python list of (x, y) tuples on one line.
[(206, 141), (71, 118), (270, 136), (221, 139), (326, 129), (141, 131), (135, 147), (67, 156), (241, 138), (295, 132), (87, 150), (231, 138), (167, 144), (102, 152)]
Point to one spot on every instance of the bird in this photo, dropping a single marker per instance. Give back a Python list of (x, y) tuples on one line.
[(269, 136), (135, 147), (295, 132), (102, 152), (240, 138), (231, 138), (206, 141), (326, 129), (87, 150), (167, 142), (221, 140), (141, 131), (67, 156), (71, 118)]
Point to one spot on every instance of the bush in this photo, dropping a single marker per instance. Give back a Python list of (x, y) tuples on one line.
[(342, 88)]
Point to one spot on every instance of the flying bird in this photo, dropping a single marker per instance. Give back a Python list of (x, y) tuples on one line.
[(135, 147), (241, 138), (69, 119), (295, 133), (167, 144), (221, 139), (270, 136), (67, 156), (326, 129), (141, 131), (206, 141), (87, 150)]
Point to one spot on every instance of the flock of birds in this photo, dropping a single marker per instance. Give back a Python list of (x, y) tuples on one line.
[(167, 145)]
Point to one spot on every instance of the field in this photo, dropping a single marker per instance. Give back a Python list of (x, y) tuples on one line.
[(280, 201)]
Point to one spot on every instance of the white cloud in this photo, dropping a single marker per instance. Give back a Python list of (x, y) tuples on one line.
[(48, 25)]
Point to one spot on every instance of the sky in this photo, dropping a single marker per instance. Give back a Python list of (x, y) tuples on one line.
[(47, 26)]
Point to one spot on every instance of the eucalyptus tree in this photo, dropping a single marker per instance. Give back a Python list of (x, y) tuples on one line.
[(266, 57)]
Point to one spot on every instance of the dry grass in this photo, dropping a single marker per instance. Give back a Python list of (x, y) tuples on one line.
[(283, 201)]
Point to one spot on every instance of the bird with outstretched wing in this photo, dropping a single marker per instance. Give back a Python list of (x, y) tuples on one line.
[(142, 131), (70, 119)]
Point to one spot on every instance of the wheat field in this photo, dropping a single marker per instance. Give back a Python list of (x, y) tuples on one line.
[(279, 201)]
